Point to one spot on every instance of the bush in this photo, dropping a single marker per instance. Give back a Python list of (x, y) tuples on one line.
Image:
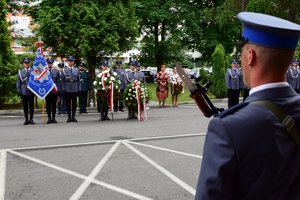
[(218, 88)]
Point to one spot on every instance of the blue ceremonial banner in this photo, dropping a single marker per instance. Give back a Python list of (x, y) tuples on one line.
[(40, 81)]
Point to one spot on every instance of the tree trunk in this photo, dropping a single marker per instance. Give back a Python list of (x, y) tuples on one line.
[(91, 63)]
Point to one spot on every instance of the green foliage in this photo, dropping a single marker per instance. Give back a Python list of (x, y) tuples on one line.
[(8, 69), (204, 76), (218, 87)]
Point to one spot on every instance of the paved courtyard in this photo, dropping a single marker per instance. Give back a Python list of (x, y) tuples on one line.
[(121, 159)]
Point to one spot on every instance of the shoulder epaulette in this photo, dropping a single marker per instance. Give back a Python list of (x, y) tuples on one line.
[(232, 109)]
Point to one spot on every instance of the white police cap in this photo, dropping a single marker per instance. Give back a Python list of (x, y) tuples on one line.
[(269, 31)]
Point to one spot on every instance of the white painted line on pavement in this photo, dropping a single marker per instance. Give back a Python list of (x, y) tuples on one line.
[(164, 149), (167, 137), (3, 156), (163, 170), (82, 188), (72, 173), (104, 142)]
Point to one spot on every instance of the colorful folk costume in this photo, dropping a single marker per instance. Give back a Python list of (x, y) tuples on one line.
[(176, 88), (136, 98), (106, 88), (162, 79)]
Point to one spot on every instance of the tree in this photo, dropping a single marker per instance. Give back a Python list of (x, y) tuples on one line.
[(218, 87), (161, 27), (8, 66), (86, 29)]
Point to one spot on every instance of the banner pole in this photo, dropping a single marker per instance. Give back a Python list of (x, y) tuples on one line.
[(43, 111)]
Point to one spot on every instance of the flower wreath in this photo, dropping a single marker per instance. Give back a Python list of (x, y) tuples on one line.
[(177, 85), (136, 97), (107, 87)]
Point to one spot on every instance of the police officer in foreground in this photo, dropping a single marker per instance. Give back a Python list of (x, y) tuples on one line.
[(233, 83), (26, 95), (249, 152), (61, 89), (72, 85), (51, 98), (84, 88)]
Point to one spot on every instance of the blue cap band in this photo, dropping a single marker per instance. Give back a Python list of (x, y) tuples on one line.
[(268, 39)]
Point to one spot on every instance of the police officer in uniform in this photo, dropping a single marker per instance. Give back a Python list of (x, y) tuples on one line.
[(250, 152), (129, 78), (61, 89), (72, 85), (51, 98), (26, 95), (84, 88), (104, 97), (233, 83), (118, 104), (138, 75), (293, 76)]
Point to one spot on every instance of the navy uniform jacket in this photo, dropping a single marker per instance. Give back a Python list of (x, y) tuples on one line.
[(55, 76), (129, 77), (233, 79), (71, 79), (140, 76), (84, 81), (22, 80), (122, 77), (293, 77), (60, 82), (248, 155)]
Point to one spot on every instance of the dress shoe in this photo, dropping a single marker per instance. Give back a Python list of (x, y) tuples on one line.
[(106, 117), (31, 122), (25, 122), (121, 110), (49, 121), (102, 118), (74, 119), (54, 121), (59, 113), (69, 120)]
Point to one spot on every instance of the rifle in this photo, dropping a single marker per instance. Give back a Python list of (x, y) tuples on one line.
[(198, 93)]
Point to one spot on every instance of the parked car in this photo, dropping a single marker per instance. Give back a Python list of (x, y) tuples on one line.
[(148, 75)]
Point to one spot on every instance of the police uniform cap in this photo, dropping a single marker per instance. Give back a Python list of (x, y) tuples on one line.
[(233, 61), (118, 62), (132, 63), (26, 60), (269, 31), (104, 63), (138, 64), (50, 60), (296, 61), (61, 65), (70, 58)]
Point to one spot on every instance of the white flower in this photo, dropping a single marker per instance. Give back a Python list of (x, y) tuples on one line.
[(95, 83), (116, 87), (130, 98), (103, 88), (99, 75), (95, 90), (133, 96), (119, 82), (126, 98), (109, 81), (130, 90), (115, 74), (100, 83), (112, 78), (105, 78)]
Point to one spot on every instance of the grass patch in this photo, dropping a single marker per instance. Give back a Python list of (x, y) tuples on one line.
[(183, 97)]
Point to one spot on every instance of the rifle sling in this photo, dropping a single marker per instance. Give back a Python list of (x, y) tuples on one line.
[(286, 120)]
